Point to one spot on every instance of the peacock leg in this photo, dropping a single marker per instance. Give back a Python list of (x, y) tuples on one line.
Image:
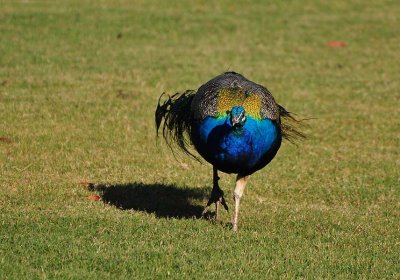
[(217, 196), (237, 195)]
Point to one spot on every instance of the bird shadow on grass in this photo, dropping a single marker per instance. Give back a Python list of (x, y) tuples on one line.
[(165, 201)]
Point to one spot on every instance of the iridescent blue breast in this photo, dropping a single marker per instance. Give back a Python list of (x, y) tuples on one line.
[(244, 150)]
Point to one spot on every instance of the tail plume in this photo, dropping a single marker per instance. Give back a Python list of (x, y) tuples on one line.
[(175, 112), (290, 126)]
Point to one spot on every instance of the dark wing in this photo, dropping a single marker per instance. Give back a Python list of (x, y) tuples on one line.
[(177, 116), (290, 126)]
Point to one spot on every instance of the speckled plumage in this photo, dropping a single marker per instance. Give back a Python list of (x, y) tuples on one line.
[(208, 97)]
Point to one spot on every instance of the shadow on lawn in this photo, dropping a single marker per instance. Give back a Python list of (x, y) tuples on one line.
[(160, 199)]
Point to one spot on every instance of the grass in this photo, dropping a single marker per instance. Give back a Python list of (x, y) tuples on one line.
[(79, 83)]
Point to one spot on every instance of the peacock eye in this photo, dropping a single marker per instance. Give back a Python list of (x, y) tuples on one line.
[(228, 112)]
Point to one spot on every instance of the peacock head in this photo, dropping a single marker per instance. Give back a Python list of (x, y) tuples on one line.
[(238, 116)]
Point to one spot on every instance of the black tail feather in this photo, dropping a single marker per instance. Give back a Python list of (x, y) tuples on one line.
[(290, 126), (177, 120)]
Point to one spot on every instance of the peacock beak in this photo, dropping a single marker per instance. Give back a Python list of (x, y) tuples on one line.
[(238, 117), (235, 120)]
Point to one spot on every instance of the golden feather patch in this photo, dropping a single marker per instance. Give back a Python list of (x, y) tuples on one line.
[(231, 97)]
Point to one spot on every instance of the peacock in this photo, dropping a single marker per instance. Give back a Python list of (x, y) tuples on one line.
[(234, 124)]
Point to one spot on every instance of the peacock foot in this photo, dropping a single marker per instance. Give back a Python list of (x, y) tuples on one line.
[(217, 197)]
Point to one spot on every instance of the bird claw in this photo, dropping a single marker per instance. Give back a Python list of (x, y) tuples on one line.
[(223, 202), (217, 197)]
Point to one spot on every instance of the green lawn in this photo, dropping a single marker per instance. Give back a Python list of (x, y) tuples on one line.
[(79, 83)]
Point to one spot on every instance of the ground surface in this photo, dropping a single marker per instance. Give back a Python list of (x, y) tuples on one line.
[(79, 82)]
